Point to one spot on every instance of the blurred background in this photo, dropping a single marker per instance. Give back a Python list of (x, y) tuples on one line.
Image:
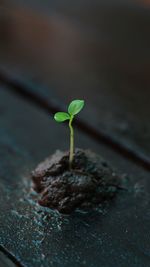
[(78, 43), (98, 50)]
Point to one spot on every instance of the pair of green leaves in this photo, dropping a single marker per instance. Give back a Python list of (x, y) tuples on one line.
[(74, 108)]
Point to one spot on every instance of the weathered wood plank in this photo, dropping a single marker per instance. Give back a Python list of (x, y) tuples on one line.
[(115, 236)]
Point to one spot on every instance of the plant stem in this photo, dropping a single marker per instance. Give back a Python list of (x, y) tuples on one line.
[(71, 142)]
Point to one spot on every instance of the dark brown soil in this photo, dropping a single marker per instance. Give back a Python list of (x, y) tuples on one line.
[(90, 182)]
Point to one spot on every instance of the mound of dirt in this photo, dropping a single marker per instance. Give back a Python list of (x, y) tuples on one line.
[(90, 181)]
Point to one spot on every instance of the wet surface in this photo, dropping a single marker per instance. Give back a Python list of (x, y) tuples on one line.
[(114, 235)]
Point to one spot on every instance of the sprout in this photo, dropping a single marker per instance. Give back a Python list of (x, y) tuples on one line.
[(73, 109)]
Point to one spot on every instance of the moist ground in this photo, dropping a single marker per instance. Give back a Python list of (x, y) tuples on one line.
[(90, 181)]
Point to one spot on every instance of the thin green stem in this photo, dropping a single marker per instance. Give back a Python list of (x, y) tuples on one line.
[(71, 142)]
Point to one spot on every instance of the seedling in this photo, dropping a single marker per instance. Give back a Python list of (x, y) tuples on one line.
[(73, 109)]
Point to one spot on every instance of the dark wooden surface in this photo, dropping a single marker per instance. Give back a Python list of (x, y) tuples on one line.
[(68, 52), (115, 236), (99, 51)]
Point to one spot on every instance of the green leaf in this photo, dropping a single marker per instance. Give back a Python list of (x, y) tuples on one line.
[(75, 107), (61, 116)]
